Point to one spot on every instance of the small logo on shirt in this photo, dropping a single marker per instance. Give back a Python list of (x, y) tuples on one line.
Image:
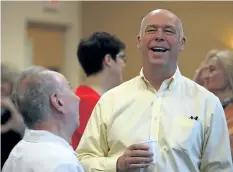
[(195, 117)]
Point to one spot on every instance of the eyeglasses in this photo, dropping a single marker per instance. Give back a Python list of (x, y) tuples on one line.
[(122, 56)]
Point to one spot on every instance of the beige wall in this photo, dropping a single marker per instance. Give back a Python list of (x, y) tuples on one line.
[(15, 16), (206, 24)]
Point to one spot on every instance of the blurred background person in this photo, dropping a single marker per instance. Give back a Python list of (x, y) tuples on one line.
[(12, 126), (216, 74), (102, 58)]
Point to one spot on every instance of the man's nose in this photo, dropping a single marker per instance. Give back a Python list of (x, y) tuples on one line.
[(124, 64), (159, 35)]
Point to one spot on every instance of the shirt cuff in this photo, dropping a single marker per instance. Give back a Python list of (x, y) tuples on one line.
[(111, 164)]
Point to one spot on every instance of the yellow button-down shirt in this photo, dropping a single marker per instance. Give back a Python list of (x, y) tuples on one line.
[(187, 120)]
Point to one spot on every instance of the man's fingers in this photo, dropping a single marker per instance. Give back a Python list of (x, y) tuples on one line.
[(132, 166), (140, 153), (5, 128), (136, 156), (138, 147), (138, 160)]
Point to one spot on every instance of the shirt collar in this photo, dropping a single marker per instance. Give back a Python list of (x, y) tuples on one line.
[(42, 136), (167, 84)]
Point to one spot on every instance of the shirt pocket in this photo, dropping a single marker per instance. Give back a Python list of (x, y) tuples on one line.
[(184, 132)]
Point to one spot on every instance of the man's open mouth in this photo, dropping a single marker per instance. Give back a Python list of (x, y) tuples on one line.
[(159, 49)]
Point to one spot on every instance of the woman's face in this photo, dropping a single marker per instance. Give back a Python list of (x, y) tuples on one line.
[(214, 76)]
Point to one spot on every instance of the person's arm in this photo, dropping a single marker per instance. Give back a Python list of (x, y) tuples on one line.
[(216, 149), (93, 147)]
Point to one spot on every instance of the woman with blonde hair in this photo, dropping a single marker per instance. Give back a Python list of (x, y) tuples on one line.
[(216, 75)]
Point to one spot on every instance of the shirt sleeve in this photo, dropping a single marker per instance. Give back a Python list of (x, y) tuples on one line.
[(93, 147), (216, 149)]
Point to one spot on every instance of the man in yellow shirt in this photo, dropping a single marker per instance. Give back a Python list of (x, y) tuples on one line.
[(185, 121)]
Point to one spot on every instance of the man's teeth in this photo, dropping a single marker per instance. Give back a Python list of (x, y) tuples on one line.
[(159, 49)]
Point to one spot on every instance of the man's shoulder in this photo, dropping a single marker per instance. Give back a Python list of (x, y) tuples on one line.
[(123, 90), (126, 86), (62, 158), (68, 168), (89, 97), (55, 151), (48, 160), (194, 90), (38, 156), (54, 155), (45, 152)]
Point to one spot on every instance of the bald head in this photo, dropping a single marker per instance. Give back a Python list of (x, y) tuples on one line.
[(162, 12), (57, 77), (160, 41)]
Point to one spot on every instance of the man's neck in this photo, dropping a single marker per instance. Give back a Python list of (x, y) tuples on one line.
[(156, 76), (99, 82), (54, 129)]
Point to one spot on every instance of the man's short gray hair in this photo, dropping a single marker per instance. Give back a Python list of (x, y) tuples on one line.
[(31, 94)]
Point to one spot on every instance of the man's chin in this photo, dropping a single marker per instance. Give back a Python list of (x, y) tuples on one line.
[(158, 61)]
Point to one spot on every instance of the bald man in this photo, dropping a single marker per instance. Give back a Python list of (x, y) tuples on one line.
[(160, 121), (49, 109)]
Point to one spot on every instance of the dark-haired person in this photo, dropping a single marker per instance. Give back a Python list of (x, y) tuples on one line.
[(102, 58)]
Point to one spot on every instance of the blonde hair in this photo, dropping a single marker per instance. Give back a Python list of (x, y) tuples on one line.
[(225, 58), (9, 73)]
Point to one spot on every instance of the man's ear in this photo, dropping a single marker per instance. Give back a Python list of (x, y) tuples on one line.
[(57, 103), (182, 44), (108, 60)]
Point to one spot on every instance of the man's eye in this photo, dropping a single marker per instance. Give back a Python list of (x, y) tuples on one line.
[(151, 30), (168, 31)]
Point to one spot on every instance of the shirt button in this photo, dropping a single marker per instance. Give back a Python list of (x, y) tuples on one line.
[(165, 148)]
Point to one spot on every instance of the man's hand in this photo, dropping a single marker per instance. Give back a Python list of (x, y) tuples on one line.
[(7, 103), (15, 122), (135, 156), (200, 74)]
